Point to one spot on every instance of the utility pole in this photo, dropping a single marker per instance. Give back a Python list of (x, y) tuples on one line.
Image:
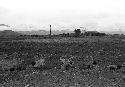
[(50, 30)]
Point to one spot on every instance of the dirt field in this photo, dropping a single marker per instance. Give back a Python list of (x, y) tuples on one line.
[(84, 62)]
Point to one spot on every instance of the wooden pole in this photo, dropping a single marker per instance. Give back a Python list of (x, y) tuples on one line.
[(50, 30)]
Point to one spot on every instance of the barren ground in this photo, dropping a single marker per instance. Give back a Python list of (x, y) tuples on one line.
[(16, 57)]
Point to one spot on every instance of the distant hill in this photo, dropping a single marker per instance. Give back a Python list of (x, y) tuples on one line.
[(113, 32), (9, 33), (44, 32), (39, 32)]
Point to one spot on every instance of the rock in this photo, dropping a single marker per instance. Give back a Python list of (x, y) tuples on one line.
[(33, 63), (94, 63), (12, 69), (112, 67), (39, 62), (119, 66)]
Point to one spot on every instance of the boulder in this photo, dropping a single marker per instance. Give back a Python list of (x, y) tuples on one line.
[(39, 62)]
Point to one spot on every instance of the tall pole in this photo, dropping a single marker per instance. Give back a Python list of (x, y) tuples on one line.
[(50, 30)]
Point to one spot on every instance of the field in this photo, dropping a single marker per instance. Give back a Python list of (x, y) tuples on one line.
[(85, 62)]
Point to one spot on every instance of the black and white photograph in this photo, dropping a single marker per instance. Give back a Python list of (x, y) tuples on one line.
[(62, 43)]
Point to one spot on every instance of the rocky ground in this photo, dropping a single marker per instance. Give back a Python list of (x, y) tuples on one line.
[(76, 64)]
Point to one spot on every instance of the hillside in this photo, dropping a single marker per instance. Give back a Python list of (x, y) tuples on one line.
[(9, 33)]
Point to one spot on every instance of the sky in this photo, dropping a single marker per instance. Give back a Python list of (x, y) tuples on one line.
[(62, 14)]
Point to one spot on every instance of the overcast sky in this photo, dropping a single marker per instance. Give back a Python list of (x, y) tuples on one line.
[(63, 13)]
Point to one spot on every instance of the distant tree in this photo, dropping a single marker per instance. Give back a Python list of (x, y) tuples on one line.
[(77, 32), (67, 34), (63, 34)]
